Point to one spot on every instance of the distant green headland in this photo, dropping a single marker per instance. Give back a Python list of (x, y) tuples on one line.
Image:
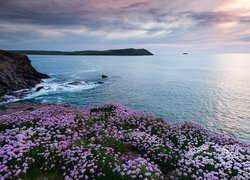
[(112, 52)]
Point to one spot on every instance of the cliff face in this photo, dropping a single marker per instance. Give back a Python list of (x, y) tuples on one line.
[(16, 72)]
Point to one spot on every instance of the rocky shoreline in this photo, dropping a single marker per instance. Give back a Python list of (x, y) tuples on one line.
[(17, 107), (17, 73)]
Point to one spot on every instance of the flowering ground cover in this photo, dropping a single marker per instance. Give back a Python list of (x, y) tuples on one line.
[(113, 142)]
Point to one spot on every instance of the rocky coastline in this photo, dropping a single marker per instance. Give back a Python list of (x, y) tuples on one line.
[(16, 73), (17, 107)]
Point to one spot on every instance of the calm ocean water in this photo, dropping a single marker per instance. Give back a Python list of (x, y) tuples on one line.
[(212, 90)]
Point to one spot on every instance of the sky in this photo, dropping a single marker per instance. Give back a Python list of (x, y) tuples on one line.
[(157, 25)]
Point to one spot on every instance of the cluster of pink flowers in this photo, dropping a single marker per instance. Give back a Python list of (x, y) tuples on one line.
[(216, 161), (153, 147), (114, 142)]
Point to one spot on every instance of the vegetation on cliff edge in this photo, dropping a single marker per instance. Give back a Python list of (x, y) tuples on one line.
[(113, 142)]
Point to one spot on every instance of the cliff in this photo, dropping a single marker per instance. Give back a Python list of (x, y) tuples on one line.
[(112, 52), (16, 72)]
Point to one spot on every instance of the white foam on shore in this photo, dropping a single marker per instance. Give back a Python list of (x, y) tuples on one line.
[(50, 87), (8, 99), (59, 88)]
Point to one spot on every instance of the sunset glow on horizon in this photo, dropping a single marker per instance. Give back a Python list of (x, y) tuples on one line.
[(93, 24)]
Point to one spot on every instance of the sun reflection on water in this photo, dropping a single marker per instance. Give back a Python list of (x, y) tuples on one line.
[(231, 105)]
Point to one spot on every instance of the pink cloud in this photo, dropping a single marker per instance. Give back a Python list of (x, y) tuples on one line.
[(179, 22)]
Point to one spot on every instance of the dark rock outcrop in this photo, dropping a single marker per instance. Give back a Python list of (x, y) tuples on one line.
[(104, 76), (39, 88), (16, 72), (99, 82), (16, 107), (43, 88), (75, 83)]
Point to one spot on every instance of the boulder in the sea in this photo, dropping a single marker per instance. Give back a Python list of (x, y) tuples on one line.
[(99, 82), (75, 83), (43, 88), (39, 88), (16, 73), (104, 76)]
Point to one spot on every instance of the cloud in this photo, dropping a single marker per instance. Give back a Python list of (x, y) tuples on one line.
[(125, 21)]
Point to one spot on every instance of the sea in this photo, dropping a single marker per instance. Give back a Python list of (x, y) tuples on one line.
[(212, 90)]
